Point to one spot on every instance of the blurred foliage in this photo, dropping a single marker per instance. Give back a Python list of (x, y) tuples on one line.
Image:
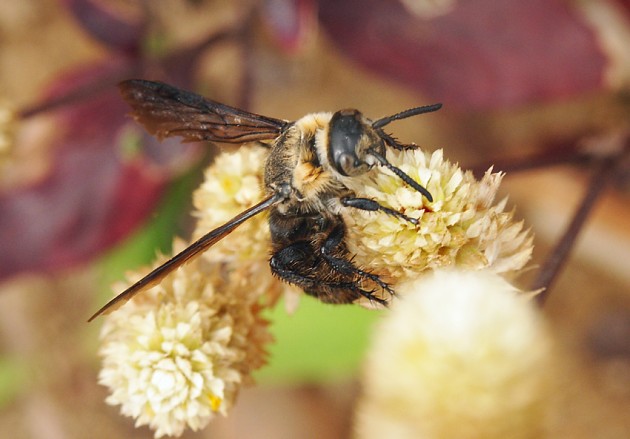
[(317, 343), (13, 379), (156, 236)]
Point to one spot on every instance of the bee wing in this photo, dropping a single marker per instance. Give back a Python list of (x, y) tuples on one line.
[(167, 111), (208, 240)]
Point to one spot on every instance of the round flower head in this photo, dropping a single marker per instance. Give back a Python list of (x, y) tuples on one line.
[(232, 184), (177, 354), (460, 355), (461, 227)]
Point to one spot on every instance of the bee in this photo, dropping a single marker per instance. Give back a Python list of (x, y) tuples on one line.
[(308, 162)]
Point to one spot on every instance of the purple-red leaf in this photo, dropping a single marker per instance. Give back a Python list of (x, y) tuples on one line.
[(94, 193), (481, 53), (624, 3), (122, 32)]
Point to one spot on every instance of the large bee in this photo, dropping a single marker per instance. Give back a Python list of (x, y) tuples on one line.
[(303, 183)]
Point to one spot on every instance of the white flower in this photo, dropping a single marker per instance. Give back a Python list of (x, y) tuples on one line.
[(177, 354), (460, 355), (462, 226)]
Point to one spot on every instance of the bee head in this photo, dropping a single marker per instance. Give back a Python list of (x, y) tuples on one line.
[(355, 144), (349, 139)]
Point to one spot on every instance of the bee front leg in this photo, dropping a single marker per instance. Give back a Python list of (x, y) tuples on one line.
[(373, 206)]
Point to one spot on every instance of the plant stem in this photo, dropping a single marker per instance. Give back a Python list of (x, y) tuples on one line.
[(559, 255), (558, 153)]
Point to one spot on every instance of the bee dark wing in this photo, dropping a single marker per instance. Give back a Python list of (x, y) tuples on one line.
[(199, 246), (167, 111)]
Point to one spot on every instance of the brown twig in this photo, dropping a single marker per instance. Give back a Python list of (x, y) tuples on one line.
[(181, 59), (554, 263), (78, 94), (566, 152), (557, 153)]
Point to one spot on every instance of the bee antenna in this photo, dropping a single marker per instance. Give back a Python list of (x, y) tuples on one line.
[(400, 174), (405, 114)]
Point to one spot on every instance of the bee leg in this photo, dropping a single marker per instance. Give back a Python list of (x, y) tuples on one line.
[(373, 206), (367, 294), (297, 265), (329, 251), (292, 263), (392, 142)]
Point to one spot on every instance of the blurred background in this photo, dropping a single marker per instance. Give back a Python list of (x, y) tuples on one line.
[(539, 88)]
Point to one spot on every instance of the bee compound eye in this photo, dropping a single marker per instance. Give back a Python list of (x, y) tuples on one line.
[(345, 133)]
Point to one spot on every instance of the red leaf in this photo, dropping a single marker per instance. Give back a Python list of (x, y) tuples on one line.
[(482, 53), (92, 196), (623, 3), (119, 31)]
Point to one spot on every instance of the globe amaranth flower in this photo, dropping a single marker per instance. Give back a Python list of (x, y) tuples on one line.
[(177, 354), (460, 355), (462, 226)]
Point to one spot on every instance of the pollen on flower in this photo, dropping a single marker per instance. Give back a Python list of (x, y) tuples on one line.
[(462, 227), (177, 354), (215, 402), (462, 356)]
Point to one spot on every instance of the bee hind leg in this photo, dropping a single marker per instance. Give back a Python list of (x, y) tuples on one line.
[(334, 253), (299, 264)]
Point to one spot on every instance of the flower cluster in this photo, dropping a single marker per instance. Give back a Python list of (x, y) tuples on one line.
[(178, 354), (461, 355)]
